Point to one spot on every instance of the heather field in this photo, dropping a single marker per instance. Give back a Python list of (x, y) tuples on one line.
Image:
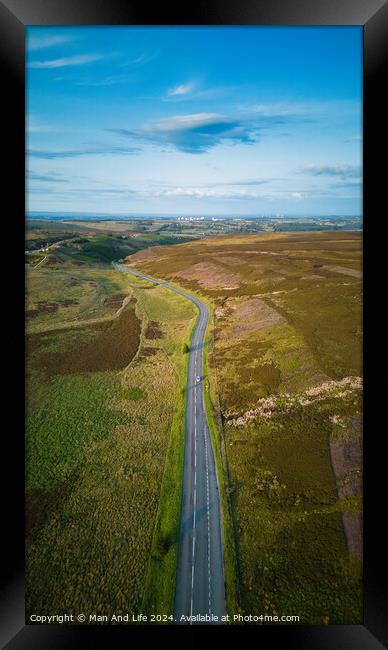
[(105, 397), (285, 364), (106, 374)]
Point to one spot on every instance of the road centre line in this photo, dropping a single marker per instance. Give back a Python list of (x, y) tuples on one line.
[(207, 439), (195, 482), (208, 519)]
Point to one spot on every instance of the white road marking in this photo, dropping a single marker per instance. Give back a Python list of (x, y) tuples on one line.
[(202, 322), (195, 487), (208, 520)]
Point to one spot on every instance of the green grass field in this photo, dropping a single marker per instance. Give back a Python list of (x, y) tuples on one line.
[(70, 295), (104, 443)]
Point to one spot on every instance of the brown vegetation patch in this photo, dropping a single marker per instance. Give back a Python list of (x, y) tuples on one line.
[(153, 330), (352, 523), (115, 301), (43, 307), (114, 346), (210, 276), (250, 315), (346, 459), (148, 352), (49, 307), (146, 254), (68, 302), (41, 504)]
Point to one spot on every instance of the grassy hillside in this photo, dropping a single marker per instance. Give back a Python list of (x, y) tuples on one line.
[(286, 358), (105, 373), (60, 245)]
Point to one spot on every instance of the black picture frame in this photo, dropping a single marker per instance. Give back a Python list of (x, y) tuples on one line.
[(15, 15)]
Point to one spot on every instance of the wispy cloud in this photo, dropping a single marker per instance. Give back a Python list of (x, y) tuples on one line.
[(199, 132), (66, 61), (223, 193), (41, 42), (97, 190), (195, 91), (42, 190), (281, 109), (342, 171), (139, 60), (183, 89), (89, 151), (347, 185), (112, 80), (46, 178), (251, 182), (309, 110)]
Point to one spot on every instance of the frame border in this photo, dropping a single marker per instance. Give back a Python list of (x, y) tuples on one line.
[(373, 16)]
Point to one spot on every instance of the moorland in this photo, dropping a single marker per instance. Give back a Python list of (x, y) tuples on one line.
[(105, 377), (106, 363), (285, 369)]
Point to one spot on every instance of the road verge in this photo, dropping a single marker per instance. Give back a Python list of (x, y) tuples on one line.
[(215, 427), (160, 583)]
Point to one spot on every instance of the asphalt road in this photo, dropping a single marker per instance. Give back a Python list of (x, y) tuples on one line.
[(200, 585)]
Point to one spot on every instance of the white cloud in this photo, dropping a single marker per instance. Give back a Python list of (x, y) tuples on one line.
[(142, 59), (226, 193), (343, 171), (278, 110), (41, 42), (211, 193), (182, 122), (66, 61), (183, 89)]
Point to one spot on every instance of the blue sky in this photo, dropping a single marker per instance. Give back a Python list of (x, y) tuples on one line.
[(194, 120)]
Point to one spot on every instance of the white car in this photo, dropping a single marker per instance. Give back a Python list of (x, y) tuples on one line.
[(198, 379)]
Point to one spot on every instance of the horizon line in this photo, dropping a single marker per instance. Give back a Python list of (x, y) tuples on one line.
[(32, 213)]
